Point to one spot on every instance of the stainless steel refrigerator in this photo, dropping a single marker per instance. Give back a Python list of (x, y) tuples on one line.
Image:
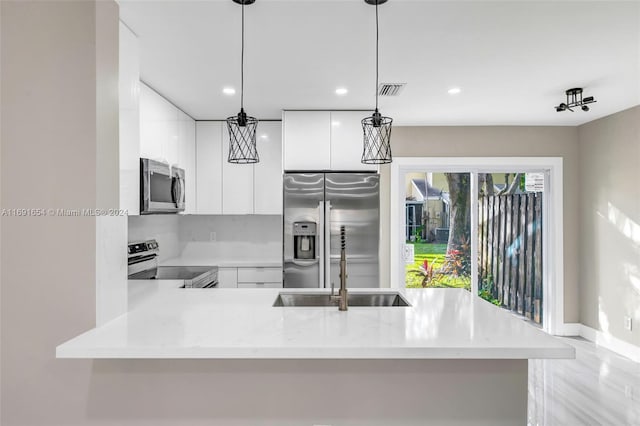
[(316, 205)]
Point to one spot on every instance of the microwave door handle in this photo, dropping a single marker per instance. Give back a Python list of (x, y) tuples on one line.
[(174, 190), (182, 190)]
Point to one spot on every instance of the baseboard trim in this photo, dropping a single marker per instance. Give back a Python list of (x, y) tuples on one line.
[(570, 329), (610, 342)]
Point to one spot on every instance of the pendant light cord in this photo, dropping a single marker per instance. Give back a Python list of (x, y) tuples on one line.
[(377, 48), (242, 64)]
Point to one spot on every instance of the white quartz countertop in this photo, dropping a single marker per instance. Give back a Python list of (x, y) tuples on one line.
[(242, 324)]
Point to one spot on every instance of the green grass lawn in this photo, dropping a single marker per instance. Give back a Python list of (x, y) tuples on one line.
[(435, 254)]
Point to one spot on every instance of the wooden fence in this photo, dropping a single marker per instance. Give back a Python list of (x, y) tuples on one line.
[(510, 251)]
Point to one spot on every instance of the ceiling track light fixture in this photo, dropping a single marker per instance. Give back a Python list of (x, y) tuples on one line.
[(242, 128), (574, 99), (376, 128)]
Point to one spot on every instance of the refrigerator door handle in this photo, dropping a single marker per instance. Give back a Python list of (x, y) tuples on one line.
[(320, 251), (327, 243)]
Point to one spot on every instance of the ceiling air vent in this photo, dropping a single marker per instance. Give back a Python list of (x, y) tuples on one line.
[(390, 89)]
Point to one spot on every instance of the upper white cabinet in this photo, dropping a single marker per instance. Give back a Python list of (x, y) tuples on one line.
[(158, 127), (237, 181), (225, 188), (187, 158), (323, 140), (306, 140), (129, 95), (209, 167), (168, 134), (347, 140), (267, 174)]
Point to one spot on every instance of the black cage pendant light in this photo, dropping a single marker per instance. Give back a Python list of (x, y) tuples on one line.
[(376, 129), (242, 128)]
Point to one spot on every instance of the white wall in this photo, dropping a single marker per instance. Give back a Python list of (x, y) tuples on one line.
[(496, 141), (609, 153)]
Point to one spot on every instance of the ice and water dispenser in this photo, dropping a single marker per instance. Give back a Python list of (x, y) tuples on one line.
[(304, 240)]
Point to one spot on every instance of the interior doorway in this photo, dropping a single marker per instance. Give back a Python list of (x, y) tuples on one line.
[(499, 194)]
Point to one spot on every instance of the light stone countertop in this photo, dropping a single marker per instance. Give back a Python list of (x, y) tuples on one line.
[(242, 324)]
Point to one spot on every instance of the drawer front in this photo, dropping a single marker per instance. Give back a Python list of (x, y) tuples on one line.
[(257, 275), (260, 285)]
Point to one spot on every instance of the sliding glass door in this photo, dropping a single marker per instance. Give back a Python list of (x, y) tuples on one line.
[(507, 237), (510, 246)]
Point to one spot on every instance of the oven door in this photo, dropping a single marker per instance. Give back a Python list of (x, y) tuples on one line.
[(161, 187)]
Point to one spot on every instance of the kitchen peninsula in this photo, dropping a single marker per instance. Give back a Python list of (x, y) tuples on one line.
[(469, 356)]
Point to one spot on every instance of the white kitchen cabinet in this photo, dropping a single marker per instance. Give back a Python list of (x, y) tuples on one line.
[(237, 182), (267, 174), (158, 127), (259, 277), (260, 285), (347, 141), (209, 167), (227, 188), (228, 277), (306, 140), (129, 104), (324, 140), (187, 158)]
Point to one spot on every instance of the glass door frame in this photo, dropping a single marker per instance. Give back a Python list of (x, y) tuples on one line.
[(552, 232)]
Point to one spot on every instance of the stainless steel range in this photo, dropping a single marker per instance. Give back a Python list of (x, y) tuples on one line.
[(143, 265)]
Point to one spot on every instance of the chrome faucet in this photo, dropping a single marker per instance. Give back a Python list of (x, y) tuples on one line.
[(342, 293)]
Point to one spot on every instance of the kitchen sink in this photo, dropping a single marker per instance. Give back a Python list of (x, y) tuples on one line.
[(353, 299)]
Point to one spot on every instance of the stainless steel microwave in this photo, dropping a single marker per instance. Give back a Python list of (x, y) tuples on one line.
[(161, 187)]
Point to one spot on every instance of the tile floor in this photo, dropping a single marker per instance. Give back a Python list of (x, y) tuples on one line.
[(599, 387)]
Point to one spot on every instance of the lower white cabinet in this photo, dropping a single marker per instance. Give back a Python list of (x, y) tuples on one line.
[(259, 285), (250, 277), (228, 277), (259, 277)]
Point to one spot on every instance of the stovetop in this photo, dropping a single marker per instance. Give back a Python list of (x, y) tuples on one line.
[(173, 273)]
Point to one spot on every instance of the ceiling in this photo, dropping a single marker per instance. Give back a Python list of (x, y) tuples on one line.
[(513, 60)]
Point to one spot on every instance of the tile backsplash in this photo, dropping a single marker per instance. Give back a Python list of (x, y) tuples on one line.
[(162, 227), (254, 237)]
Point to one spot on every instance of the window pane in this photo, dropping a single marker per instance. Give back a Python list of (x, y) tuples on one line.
[(438, 226)]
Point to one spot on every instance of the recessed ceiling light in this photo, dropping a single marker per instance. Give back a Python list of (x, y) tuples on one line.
[(264, 136), (229, 91), (341, 91), (335, 123), (454, 90)]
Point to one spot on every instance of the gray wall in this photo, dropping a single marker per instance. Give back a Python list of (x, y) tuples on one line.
[(495, 141), (610, 223), (58, 117)]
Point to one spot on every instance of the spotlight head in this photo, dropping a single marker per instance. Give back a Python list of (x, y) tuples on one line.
[(561, 107), (585, 108), (588, 100)]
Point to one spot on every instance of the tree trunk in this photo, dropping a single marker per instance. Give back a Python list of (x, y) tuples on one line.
[(485, 184), (515, 184), (489, 183), (460, 210)]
